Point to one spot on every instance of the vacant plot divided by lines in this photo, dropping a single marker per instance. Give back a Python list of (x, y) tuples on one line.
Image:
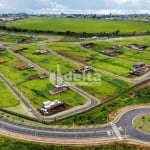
[(35, 90), (100, 90), (119, 67), (7, 99)]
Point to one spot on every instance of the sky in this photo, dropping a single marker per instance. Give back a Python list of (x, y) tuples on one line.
[(75, 6)]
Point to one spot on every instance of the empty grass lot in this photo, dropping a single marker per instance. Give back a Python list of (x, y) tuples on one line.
[(47, 61), (100, 91), (100, 88), (7, 99), (10, 37), (144, 41), (76, 53), (79, 25), (128, 54), (13, 38), (36, 91)]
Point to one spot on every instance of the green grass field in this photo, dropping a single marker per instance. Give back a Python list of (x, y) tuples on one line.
[(79, 25), (10, 38), (100, 91), (120, 67), (128, 54), (143, 123), (7, 99), (100, 88), (48, 61), (13, 38), (36, 91), (144, 40)]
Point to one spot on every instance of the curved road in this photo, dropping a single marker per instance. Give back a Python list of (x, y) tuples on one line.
[(115, 131)]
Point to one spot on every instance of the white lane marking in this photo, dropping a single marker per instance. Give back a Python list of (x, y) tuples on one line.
[(109, 133), (116, 131)]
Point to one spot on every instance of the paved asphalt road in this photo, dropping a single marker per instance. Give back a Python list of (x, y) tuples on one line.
[(122, 128)]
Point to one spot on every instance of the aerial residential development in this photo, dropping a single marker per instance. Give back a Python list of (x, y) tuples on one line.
[(75, 75)]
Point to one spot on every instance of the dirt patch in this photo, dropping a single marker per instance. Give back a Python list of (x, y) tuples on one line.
[(21, 50), (113, 51), (21, 65), (88, 45), (26, 40), (71, 56), (137, 47)]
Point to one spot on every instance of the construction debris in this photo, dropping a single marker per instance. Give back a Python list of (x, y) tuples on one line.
[(27, 39), (140, 69), (21, 65), (83, 69), (113, 51), (88, 45), (41, 52), (137, 47), (52, 107), (44, 76), (36, 76), (59, 89)]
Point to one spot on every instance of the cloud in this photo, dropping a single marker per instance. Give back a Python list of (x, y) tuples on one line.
[(74, 6), (48, 7), (120, 2), (128, 4), (3, 5)]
